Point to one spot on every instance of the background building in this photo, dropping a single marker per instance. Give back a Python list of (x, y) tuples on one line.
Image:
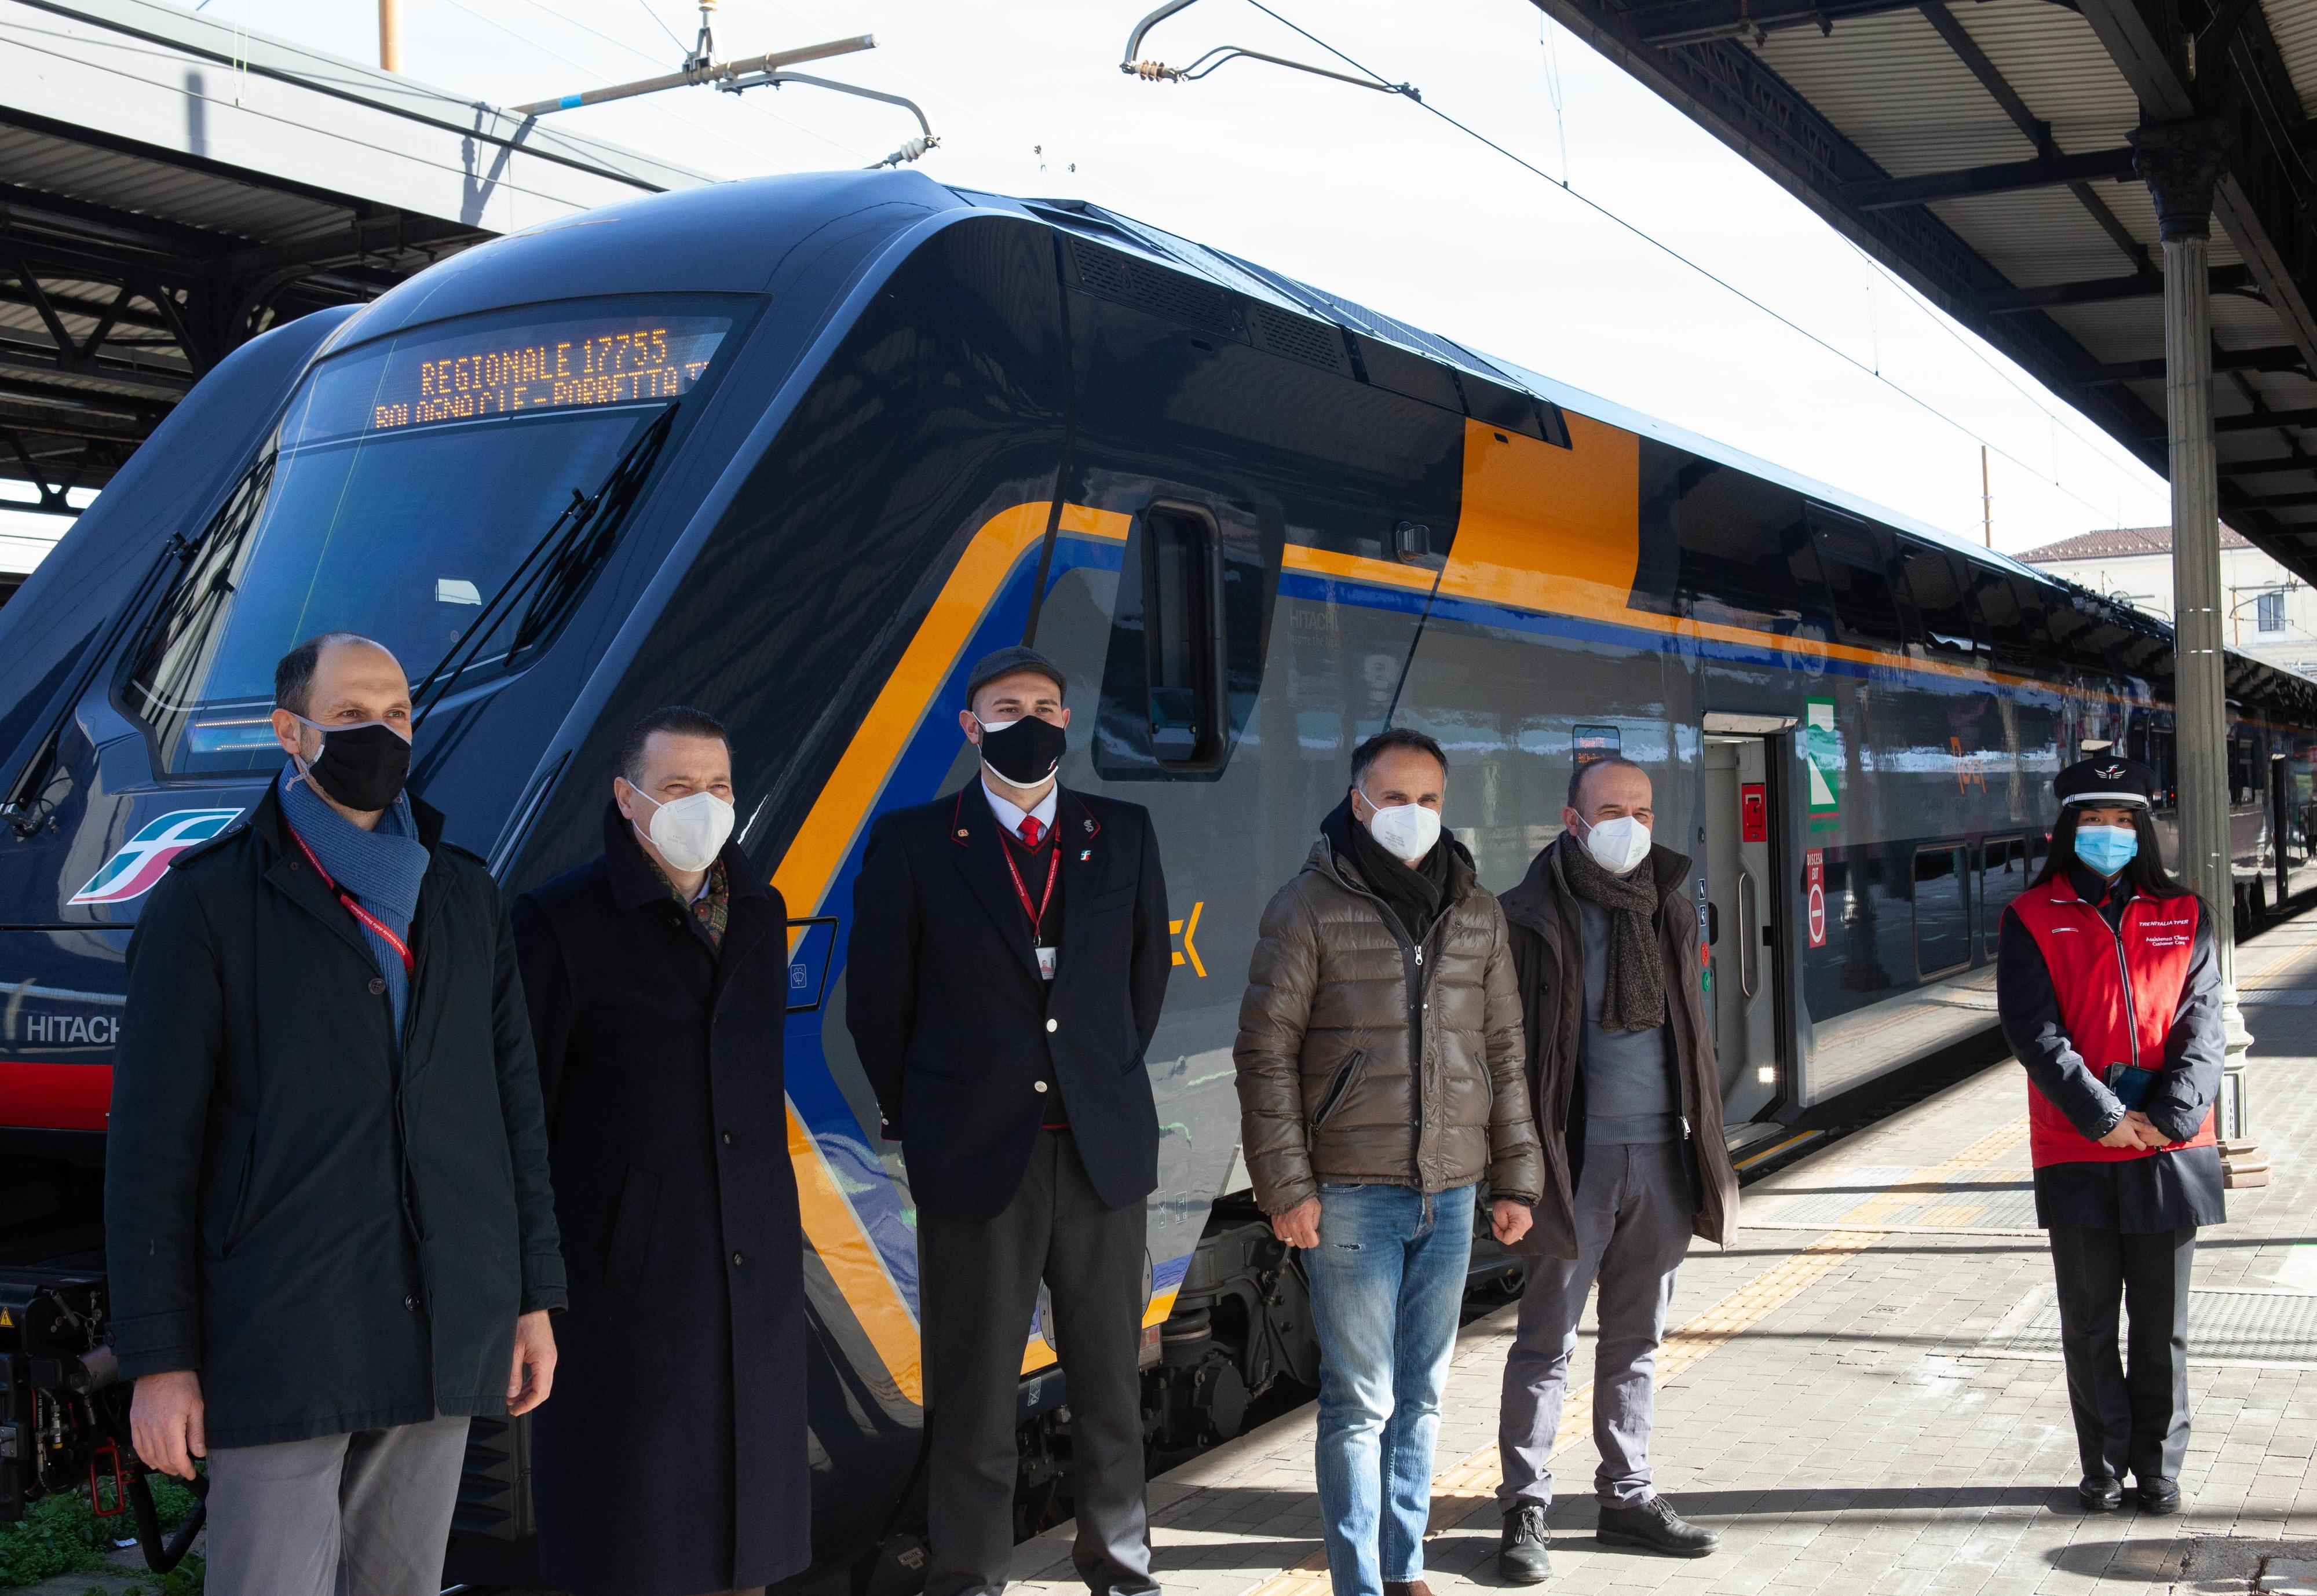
[(2272, 613)]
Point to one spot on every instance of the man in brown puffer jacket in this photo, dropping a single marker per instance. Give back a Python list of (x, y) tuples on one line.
[(1381, 1079)]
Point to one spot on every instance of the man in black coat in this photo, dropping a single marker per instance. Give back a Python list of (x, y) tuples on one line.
[(658, 977), (1008, 957), (328, 1230)]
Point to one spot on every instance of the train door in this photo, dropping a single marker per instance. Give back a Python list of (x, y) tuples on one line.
[(1745, 914)]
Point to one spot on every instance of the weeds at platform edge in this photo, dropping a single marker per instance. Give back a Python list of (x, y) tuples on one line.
[(59, 1535)]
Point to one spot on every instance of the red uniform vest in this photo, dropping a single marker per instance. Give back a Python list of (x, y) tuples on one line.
[(2118, 993)]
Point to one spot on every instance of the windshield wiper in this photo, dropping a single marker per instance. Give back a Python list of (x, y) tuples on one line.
[(550, 577), (27, 807)]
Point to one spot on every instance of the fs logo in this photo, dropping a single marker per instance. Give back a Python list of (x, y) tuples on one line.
[(137, 868), (2108, 772)]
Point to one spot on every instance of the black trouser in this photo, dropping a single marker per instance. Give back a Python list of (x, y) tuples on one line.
[(977, 1287), (2129, 1416)]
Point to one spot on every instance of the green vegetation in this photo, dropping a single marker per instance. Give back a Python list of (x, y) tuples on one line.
[(59, 1535)]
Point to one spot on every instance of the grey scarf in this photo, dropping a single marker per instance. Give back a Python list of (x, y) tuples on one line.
[(1633, 996)]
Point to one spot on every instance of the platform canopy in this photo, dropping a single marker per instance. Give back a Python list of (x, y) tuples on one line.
[(1981, 149), (170, 185)]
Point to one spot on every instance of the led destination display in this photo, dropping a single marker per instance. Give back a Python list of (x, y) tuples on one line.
[(561, 368)]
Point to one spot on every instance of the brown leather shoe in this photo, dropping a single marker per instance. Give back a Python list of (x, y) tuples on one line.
[(1412, 1587)]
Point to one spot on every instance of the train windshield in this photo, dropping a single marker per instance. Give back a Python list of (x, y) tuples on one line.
[(407, 485)]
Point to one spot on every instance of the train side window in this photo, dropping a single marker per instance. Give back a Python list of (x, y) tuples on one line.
[(2004, 868), (2011, 618), (1181, 583), (1942, 603), (1942, 909), (1858, 580), (1744, 549), (2244, 759)]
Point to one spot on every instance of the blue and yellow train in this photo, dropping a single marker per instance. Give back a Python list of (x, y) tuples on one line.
[(798, 449)]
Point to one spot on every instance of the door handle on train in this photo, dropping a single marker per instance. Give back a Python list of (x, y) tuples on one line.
[(1746, 956), (1712, 925)]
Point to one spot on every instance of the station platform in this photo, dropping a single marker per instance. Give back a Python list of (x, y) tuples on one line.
[(1864, 1394)]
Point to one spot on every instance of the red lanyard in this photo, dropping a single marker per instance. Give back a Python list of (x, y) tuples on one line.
[(1038, 915), (369, 920)]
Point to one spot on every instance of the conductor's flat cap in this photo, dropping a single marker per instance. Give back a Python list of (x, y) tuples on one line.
[(1005, 662)]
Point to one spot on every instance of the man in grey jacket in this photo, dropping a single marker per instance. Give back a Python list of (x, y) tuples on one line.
[(1629, 1110), (1379, 1082)]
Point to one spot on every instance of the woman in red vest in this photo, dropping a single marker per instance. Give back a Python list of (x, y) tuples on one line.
[(2109, 991)]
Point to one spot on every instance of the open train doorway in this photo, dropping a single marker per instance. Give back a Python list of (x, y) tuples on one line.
[(1746, 908)]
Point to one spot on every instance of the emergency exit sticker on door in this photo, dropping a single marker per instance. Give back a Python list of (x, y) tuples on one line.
[(1814, 895), (1753, 814)]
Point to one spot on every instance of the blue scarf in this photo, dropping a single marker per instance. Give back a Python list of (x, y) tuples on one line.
[(381, 868)]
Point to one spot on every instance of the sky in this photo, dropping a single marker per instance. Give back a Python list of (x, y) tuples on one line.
[(1838, 371)]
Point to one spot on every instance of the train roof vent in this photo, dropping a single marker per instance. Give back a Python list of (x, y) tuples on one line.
[(1148, 286), (1298, 337)]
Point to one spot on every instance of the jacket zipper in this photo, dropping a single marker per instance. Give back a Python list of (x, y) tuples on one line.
[(2124, 972), (1412, 970)]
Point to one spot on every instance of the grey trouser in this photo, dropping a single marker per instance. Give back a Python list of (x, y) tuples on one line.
[(1633, 1232), (2132, 1415), (978, 1291), (366, 1514)]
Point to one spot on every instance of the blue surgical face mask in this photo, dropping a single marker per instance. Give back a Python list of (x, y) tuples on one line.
[(2107, 848)]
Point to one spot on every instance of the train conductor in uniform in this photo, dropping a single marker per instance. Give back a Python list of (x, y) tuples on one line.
[(657, 977), (2108, 987), (1008, 955)]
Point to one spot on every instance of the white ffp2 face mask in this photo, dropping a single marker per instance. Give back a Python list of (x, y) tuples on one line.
[(688, 831), (1618, 845), (1406, 831)]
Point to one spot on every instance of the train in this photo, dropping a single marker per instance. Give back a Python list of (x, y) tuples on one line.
[(797, 451)]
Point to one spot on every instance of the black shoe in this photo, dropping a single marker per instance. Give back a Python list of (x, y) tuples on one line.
[(1523, 1557), (2100, 1493), (2159, 1496), (1654, 1527)]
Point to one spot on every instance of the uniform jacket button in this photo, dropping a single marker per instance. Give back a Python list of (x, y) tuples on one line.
[(410, 1303), (1054, 1025), (1037, 1086), (377, 985), (727, 1138), (737, 1260)]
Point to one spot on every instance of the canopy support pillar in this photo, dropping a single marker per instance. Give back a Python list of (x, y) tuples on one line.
[(2182, 164)]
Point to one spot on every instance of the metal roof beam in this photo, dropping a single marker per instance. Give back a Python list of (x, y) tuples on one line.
[(2276, 357), (1728, 90), (2260, 468), (2263, 420), (2037, 131), (2260, 205), (1670, 23), (2046, 171), (113, 379), (2102, 290)]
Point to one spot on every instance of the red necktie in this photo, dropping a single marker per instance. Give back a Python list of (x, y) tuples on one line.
[(1031, 829)]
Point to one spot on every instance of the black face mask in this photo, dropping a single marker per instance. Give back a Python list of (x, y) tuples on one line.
[(1024, 753), (361, 766)]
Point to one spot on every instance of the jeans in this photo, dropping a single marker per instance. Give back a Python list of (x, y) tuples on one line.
[(1387, 1283)]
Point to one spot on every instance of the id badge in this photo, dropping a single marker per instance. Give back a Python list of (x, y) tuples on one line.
[(1045, 964)]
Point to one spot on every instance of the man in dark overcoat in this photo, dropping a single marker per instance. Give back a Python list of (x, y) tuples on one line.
[(329, 1238), (674, 1463), (1008, 957)]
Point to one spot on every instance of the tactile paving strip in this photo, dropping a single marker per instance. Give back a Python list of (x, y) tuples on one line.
[(2260, 1329)]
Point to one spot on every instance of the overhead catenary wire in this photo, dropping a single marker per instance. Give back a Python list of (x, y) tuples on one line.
[(1378, 80)]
